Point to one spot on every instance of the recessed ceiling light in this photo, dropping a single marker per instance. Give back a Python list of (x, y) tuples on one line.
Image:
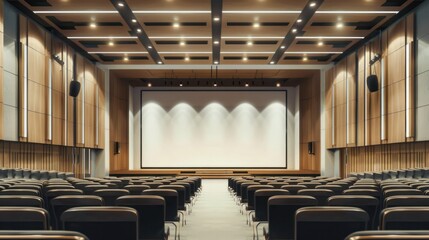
[(214, 84), (216, 42), (133, 20), (216, 19), (216, 62), (149, 84), (120, 4), (312, 4), (159, 62), (150, 47), (246, 85), (111, 43), (186, 58), (304, 58), (282, 47), (340, 25), (278, 85), (245, 58), (126, 59), (320, 43), (93, 25), (272, 62), (139, 30), (256, 25), (181, 84), (299, 20), (249, 43), (182, 43), (176, 25), (294, 30)]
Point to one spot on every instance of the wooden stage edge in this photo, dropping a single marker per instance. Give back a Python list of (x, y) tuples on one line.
[(214, 173)]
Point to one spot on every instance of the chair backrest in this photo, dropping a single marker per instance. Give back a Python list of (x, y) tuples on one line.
[(23, 218), (293, 189), (24, 201), (366, 192), (187, 190), (405, 218), (281, 214), (396, 186), (278, 185), (251, 194), (151, 212), (181, 191), (329, 222), (42, 235), (261, 201), (368, 203), (171, 201), (406, 201), (136, 189), (388, 235), (395, 192), (64, 202), (90, 189), (27, 192), (26, 186), (102, 223), (110, 195), (321, 195), (361, 186), (310, 184), (243, 190), (337, 189)]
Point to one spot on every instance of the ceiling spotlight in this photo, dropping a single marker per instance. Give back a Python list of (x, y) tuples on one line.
[(312, 4), (299, 20), (159, 62), (340, 25), (149, 84), (139, 30), (182, 43), (216, 62), (181, 84), (176, 25), (120, 4), (150, 47), (214, 84), (245, 58), (282, 47), (111, 43), (304, 59), (246, 85), (216, 42), (216, 19), (186, 58), (294, 30), (249, 43), (256, 25), (278, 85), (126, 59), (272, 62), (133, 20), (320, 43), (93, 25)]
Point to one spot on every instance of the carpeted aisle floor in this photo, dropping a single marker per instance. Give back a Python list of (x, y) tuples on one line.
[(215, 215)]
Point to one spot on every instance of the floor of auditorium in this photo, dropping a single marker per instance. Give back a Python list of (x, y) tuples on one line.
[(215, 215)]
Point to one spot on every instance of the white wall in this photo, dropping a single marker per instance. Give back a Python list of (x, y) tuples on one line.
[(292, 127)]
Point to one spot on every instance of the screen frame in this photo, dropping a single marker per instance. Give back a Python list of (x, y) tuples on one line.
[(214, 90)]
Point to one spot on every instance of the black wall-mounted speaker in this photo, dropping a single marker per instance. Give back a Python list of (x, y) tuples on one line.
[(117, 148), (310, 146), (74, 88), (372, 83)]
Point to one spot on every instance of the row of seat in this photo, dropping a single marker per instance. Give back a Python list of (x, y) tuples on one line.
[(18, 173), (162, 201), (393, 174), (274, 200)]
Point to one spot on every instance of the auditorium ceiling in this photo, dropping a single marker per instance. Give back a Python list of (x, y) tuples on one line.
[(215, 31)]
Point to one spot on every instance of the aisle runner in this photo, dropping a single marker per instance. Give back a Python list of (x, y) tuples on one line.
[(215, 216)]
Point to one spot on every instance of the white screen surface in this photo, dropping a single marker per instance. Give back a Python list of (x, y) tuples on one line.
[(213, 129)]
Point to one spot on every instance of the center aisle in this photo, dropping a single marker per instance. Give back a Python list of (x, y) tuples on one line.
[(215, 216)]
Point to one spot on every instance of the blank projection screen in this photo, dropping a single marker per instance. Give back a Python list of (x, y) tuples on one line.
[(213, 129)]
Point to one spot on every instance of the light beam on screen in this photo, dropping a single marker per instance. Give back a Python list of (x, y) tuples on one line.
[(213, 129)]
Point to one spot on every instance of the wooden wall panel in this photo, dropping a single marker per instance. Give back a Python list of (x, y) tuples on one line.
[(340, 104), (386, 157), (80, 77), (1, 67), (351, 98)]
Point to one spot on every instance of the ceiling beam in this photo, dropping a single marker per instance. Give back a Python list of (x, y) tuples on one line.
[(296, 29), (136, 29), (221, 67), (216, 29)]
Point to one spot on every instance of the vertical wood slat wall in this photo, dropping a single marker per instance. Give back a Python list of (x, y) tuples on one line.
[(45, 138), (372, 126)]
